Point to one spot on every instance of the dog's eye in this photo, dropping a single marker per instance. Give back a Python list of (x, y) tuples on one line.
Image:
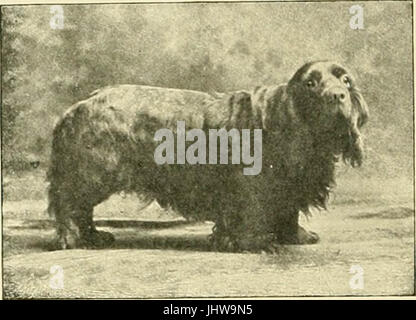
[(310, 83), (347, 81)]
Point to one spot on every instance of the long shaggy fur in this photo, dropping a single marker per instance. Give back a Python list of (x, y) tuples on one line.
[(105, 144)]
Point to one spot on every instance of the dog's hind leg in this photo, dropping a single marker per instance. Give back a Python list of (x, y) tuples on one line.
[(89, 236), (74, 220)]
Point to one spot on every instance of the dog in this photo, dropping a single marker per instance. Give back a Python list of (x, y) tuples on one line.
[(105, 144)]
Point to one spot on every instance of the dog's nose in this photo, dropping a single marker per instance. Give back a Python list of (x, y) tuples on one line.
[(339, 97), (336, 95)]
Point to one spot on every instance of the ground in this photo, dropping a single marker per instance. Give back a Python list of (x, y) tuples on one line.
[(369, 224)]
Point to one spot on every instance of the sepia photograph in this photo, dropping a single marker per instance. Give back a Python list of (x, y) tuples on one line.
[(207, 150)]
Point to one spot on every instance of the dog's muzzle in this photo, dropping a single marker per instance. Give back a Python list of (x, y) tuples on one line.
[(338, 100)]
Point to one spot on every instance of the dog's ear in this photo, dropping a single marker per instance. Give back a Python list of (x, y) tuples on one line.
[(360, 107), (354, 151)]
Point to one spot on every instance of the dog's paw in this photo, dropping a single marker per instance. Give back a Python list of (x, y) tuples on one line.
[(96, 239), (306, 237)]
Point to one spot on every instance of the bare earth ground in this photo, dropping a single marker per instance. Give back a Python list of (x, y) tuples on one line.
[(370, 223)]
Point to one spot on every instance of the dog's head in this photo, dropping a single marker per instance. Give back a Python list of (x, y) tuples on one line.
[(326, 98)]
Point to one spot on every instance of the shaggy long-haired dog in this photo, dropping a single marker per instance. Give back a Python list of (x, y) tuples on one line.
[(105, 144)]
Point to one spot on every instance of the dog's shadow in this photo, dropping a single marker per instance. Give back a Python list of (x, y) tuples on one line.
[(129, 234), (174, 235)]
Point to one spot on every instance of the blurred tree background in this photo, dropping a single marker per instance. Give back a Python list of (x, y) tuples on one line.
[(207, 47)]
